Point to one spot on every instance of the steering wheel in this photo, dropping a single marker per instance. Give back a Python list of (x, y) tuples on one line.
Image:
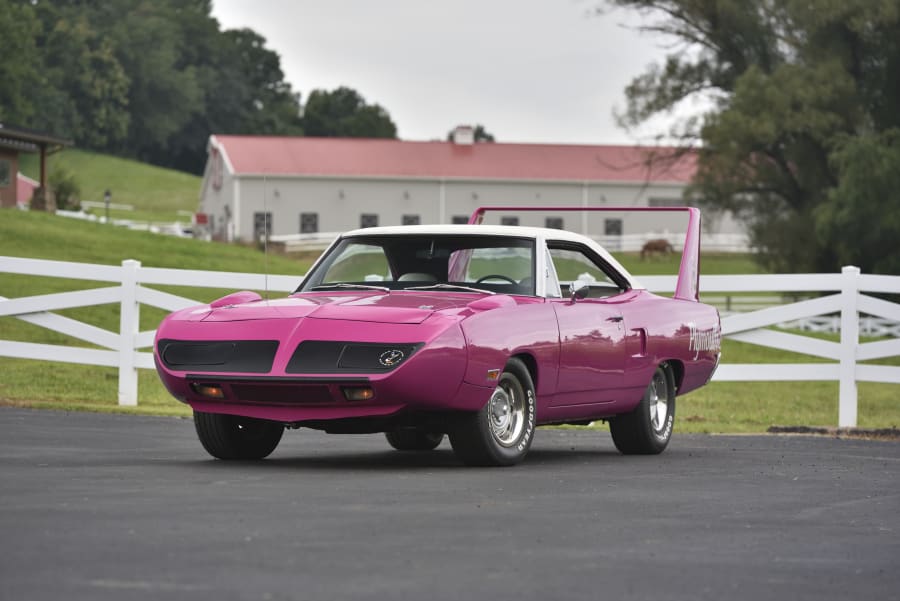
[(497, 276)]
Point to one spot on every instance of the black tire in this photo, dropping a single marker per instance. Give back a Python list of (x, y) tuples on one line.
[(414, 439), (642, 432), (501, 433), (236, 437)]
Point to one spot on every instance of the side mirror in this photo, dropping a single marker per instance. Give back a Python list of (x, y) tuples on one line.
[(578, 290)]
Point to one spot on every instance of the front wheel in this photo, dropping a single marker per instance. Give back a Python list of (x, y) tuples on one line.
[(236, 437), (501, 433), (648, 428)]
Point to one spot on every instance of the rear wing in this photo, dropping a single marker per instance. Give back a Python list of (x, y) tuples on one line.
[(688, 286)]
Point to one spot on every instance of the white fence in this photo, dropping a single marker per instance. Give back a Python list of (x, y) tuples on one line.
[(123, 349)]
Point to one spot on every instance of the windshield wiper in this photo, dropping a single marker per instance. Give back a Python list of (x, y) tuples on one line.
[(350, 287), (450, 287)]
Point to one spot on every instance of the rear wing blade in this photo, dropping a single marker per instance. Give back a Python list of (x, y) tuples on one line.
[(688, 286)]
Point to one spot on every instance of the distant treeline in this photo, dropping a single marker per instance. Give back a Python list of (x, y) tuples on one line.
[(152, 79)]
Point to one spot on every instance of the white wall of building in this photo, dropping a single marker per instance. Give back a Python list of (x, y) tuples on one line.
[(339, 203)]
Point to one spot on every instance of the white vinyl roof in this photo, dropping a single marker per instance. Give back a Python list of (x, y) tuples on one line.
[(516, 231)]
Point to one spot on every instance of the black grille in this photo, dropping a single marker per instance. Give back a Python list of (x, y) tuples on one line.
[(279, 394), (236, 356), (325, 356)]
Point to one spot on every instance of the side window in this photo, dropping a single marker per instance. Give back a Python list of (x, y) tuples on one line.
[(573, 263)]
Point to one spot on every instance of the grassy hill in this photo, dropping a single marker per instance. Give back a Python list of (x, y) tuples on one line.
[(157, 194), (42, 235)]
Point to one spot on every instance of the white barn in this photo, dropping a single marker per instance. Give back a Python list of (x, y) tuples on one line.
[(323, 185)]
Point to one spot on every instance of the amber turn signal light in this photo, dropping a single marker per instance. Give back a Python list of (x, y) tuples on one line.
[(213, 391), (358, 393)]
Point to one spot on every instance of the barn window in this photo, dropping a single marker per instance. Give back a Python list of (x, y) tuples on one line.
[(555, 223), (507, 220), (460, 219), (262, 224), (368, 220), (411, 220), (5, 173), (309, 223), (612, 227)]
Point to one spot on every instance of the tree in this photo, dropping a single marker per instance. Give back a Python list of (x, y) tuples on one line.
[(480, 133), (861, 218), (91, 83), (147, 80), (343, 113), (243, 91), (20, 75), (803, 95)]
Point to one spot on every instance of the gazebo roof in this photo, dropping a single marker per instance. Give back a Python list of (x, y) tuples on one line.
[(30, 140)]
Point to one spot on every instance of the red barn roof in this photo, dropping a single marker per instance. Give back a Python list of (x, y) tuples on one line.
[(356, 157)]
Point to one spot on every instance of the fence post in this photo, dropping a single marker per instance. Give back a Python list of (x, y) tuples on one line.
[(849, 343), (129, 322)]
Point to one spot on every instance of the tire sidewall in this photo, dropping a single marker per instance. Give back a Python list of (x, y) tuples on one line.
[(518, 377), (223, 437), (662, 436)]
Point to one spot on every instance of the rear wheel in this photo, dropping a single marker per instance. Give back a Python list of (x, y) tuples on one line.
[(414, 439), (501, 432), (236, 437), (648, 428)]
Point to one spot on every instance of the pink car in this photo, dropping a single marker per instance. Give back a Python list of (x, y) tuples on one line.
[(478, 332)]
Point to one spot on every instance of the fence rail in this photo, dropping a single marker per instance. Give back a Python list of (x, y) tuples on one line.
[(123, 349)]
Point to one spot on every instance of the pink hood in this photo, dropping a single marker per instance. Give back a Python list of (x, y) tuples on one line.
[(396, 307)]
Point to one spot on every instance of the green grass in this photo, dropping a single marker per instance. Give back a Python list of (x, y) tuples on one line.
[(157, 194), (710, 264)]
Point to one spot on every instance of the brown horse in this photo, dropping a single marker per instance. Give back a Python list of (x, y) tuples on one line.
[(659, 246)]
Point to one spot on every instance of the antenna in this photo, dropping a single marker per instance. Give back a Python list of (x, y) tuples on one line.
[(266, 235)]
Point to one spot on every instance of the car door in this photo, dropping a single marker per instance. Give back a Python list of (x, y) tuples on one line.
[(591, 329)]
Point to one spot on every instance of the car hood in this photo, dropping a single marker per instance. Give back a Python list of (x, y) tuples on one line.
[(400, 307)]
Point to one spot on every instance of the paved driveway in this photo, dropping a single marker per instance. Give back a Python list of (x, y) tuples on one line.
[(124, 507)]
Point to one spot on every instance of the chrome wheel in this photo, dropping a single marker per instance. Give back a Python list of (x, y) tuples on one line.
[(506, 414), (658, 400), (646, 429), (501, 432)]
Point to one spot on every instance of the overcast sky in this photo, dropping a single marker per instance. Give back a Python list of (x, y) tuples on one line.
[(528, 70)]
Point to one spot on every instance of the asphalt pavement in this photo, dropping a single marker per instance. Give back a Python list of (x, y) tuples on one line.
[(124, 507)]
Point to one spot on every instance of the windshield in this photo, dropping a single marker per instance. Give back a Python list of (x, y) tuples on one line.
[(470, 263)]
